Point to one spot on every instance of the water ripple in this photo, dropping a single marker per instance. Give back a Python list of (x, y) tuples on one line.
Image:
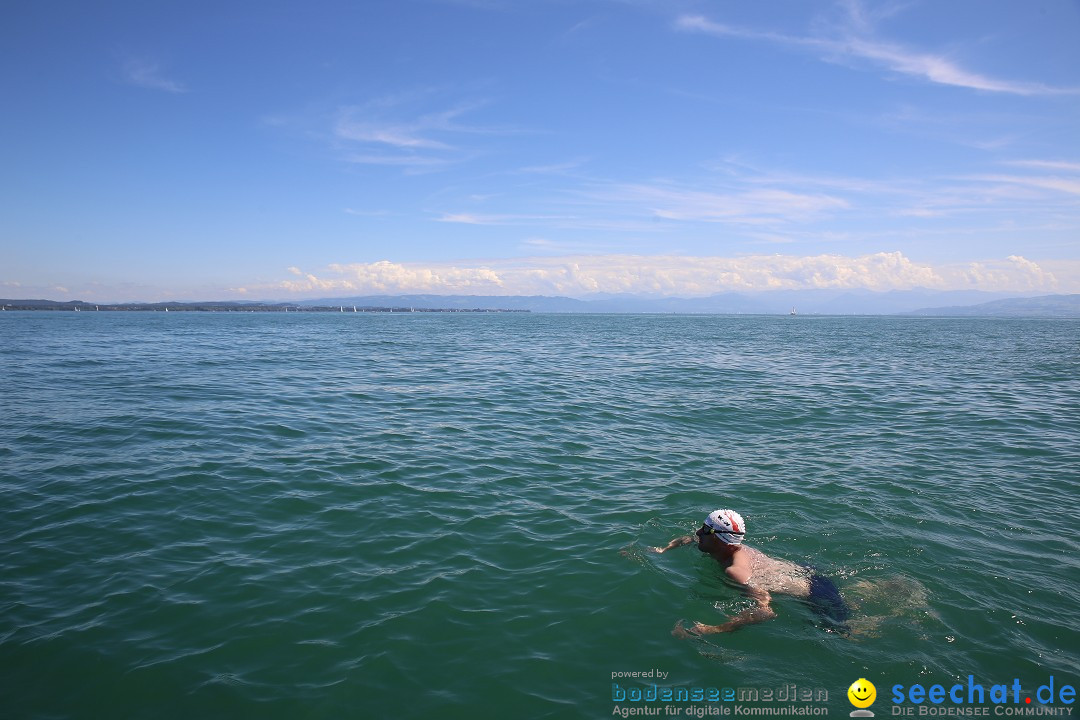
[(316, 515)]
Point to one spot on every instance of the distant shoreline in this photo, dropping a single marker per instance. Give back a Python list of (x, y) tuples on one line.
[(80, 306), (809, 303)]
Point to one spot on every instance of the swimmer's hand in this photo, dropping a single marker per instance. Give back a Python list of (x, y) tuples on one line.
[(696, 630), (677, 542), (700, 628), (751, 616)]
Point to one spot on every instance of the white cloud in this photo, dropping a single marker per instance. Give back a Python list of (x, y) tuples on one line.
[(395, 136), (636, 207), (409, 162), (578, 275), (552, 169), (1065, 272), (1014, 273), (736, 204), (474, 219), (387, 277), (1047, 165), (396, 131), (146, 74), (686, 276), (753, 206), (539, 244), (938, 69), (920, 212), (1070, 186), (856, 43)]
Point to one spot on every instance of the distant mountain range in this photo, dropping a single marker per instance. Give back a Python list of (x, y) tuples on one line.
[(1043, 306), (803, 302)]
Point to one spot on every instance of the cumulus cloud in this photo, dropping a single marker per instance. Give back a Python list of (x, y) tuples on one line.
[(388, 277), (671, 275), (1015, 273)]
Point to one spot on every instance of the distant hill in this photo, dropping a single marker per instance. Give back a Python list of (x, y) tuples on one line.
[(227, 306), (1044, 306)]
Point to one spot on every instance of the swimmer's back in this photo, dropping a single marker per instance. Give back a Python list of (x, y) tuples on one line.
[(777, 576)]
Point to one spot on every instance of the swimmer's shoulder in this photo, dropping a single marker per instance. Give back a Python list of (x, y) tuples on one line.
[(741, 568), (740, 575)]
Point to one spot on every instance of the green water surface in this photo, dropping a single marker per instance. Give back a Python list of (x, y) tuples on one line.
[(412, 516)]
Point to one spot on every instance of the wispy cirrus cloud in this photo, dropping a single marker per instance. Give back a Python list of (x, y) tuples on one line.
[(801, 196), (372, 123), (497, 219), (854, 40), (408, 162), (562, 168), (147, 74), (366, 213), (1066, 185), (1037, 186), (547, 246), (741, 206), (777, 206), (398, 131), (1047, 165), (983, 131), (658, 206)]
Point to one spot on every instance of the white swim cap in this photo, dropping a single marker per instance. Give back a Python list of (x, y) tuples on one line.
[(728, 525)]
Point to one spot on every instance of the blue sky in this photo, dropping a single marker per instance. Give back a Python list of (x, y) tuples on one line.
[(274, 150)]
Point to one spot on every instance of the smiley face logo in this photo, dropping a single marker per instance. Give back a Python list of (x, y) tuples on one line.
[(862, 693)]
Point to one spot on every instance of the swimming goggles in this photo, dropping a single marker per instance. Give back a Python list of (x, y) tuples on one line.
[(709, 530)]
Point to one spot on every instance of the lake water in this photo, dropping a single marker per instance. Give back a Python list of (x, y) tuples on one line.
[(448, 515)]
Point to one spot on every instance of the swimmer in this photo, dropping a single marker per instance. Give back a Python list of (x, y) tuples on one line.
[(758, 575)]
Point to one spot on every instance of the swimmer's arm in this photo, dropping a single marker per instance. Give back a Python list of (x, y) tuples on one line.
[(677, 542), (761, 612)]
